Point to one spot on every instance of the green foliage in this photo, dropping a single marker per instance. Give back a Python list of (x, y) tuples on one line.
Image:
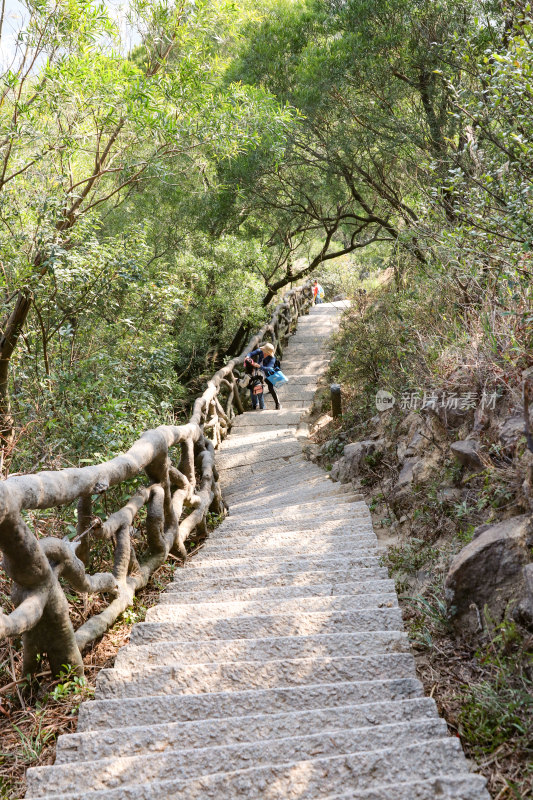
[(432, 618), (409, 557), (103, 163), (499, 710), (32, 744), (71, 684)]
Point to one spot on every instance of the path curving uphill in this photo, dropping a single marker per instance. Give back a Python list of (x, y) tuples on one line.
[(276, 666)]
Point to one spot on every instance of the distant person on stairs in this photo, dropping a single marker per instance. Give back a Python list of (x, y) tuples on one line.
[(263, 358), (318, 293)]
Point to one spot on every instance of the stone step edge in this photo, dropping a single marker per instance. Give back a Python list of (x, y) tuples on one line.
[(334, 644), (411, 687), (174, 670), (327, 575), (279, 536), (190, 597), (262, 555), (436, 731), (253, 608), (173, 599), (449, 745), (274, 566), (425, 707), (310, 615)]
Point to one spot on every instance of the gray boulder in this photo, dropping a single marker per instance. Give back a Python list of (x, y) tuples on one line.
[(511, 431), (489, 572), (467, 453), (347, 468)]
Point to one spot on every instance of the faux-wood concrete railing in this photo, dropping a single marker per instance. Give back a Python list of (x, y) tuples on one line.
[(177, 499)]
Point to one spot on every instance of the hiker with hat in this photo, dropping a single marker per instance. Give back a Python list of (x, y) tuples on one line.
[(263, 359)]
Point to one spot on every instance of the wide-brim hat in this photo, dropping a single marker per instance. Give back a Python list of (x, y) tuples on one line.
[(269, 347)]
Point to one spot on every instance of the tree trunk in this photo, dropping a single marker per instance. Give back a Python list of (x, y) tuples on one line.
[(239, 340), (8, 342)]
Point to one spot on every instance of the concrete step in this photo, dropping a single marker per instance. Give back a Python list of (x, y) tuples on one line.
[(283, 493), (299, 542), (189, 581), (362, 545), (254, 470), (240, 564), (104, 714), (139, 739), (378, 619), (346, 516), (305, 779), (291, 521), (181, 678), (308, 348), (232, 530), (257, 469), (279, 574), (245, 438), (294, 495), (294, 405), (241, 456), (306, 514), (294, 467), (278, 488), (266, 649), (170, 607), (342, 507), (283, 480), (305, 364), (296, 563), (315, 477), (269, 464), (296, 392), (269, 416), (346, 505), (185, 763), (251, 436), (216, 595), (266, 425), (313, 367), (307, 474), (292, 501), (262, 554)]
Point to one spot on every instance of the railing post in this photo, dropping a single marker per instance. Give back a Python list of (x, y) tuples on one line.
[(336, 400)]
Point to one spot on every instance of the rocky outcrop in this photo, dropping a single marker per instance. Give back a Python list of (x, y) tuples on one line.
[(467, 453), (347, 468), (511, 431), (489, 573)]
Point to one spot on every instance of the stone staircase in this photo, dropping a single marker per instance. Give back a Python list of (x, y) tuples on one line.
[(275, 665)]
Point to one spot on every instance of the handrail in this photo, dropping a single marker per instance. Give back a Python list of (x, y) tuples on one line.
[(177, 499)]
